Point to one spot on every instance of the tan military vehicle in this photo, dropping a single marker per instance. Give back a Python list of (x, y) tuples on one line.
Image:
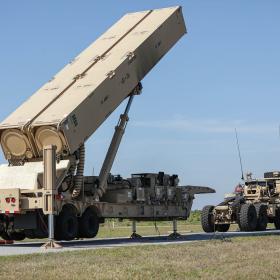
[(43, 140), (252, 206)]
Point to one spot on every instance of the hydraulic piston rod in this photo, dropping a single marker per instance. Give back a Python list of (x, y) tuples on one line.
[(114, 146)]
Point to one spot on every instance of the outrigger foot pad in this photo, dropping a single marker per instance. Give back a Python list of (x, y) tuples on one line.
[(134, 235), (175, 235), (51, 245)]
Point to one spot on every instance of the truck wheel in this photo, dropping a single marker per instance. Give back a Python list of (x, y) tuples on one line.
[(89, 224), (277, 219), (223, 228), (66, 225), (248, 217), (6, 236), (17, 235), (29, 233), (261, 210), (207, 219)]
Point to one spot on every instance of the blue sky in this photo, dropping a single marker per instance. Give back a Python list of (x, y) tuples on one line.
[(223, 74)]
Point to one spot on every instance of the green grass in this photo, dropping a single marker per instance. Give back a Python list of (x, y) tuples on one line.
[(242, 258)]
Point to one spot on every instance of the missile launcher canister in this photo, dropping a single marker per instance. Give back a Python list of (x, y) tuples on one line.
[(68, 109), (43, 190)]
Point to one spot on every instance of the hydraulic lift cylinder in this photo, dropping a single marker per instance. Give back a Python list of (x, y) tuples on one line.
[(113, 149)]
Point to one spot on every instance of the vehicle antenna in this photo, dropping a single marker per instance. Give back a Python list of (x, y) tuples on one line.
[(239, 154)]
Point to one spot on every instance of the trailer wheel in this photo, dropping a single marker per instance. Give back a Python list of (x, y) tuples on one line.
[(66, 225), (17, 235), (261, 210), (223, 228), (207, 219), (89, 224), (277, 219), (248, 217)]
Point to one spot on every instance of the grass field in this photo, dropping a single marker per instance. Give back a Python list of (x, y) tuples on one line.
[(240, 258)]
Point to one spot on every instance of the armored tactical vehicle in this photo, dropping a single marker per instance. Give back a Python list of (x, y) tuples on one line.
[(44, 140), (252, 206)]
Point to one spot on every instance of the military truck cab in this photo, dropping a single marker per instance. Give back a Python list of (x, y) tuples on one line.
[(252, 209)]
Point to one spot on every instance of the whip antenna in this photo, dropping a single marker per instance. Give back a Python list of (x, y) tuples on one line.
[(239, 154)]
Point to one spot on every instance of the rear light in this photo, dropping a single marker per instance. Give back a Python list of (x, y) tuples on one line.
[(8, 200), (59, 197), (13, 200)]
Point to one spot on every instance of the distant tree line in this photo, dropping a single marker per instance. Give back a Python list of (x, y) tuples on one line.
[(194, 217)]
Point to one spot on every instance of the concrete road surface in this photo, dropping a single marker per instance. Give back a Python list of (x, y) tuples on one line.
[(21, 248)]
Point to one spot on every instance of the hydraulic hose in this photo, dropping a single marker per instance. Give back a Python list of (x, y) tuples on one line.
[(79, 178)]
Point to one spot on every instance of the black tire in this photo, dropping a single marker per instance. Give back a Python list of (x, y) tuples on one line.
[(66, 226), (262, 222), (30, 233), (6, 236), (207, 219), (17, 235), (89, 224), (223, 227), (277, 219), (41, 230), (248, 217)]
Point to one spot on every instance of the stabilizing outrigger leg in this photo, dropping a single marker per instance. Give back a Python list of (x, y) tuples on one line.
[(175, 233), (49, 184), (134, 235)]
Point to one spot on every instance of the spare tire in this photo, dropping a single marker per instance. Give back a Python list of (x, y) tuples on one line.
[(248, 217), (207, 219)]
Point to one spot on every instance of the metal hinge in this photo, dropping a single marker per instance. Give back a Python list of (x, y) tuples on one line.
[(111, 74), (79, 76), (131, 56)]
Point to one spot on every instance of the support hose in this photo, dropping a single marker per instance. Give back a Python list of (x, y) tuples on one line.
[(79, 178)]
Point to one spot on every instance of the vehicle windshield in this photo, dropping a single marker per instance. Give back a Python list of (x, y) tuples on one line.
[(256, 182)]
